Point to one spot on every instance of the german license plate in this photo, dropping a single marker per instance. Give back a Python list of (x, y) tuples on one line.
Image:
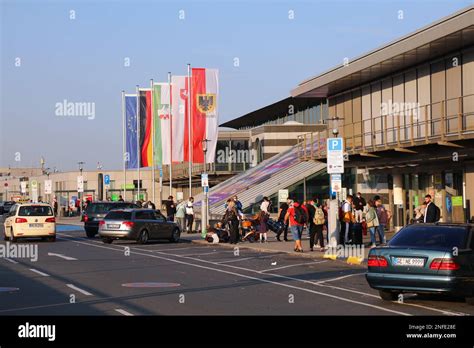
[(113, 226), (408, 261), (36, 225)]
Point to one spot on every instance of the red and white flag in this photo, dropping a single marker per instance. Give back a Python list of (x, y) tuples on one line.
[(204, 115), (179, 112)]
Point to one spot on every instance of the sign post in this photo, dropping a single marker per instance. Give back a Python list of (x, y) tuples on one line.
[(204, 209), (107, 184), (34, 191), (335, 168)]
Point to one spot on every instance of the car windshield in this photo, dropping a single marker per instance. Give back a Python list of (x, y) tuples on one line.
[(102, 208), (35, 210), (429, 236), (118, 215)]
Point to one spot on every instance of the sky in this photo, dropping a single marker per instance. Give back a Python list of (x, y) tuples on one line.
[(89, 51)]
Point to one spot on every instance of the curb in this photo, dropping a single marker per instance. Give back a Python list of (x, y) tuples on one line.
[(351, 260)]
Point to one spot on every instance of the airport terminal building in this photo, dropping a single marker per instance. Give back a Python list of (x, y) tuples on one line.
[(406, 114)]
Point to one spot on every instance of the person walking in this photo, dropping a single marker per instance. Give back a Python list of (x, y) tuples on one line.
[(264, 215), (297, 217), (384, 217), (150, 205), (311, 209), (190, 214), (181, 215), (319, 221), (281, 218), (121, 199), (347, 219), (432, 212), (359, 205), (372, 221), (170, 208), (231, 220)]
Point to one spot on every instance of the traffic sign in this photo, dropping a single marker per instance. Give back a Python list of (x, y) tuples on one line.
[(107, 179), (335, 156), (5, 184), (48, 189), (204, 180), (80, 184), (336, 183), (282, 195)]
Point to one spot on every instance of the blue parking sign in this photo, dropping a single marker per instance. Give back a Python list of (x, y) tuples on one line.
[(107, 179), (335, 144)]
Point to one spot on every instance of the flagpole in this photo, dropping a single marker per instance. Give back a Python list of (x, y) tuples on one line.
[(152, 143), (171, 132), (138, 140), (190, 148), (124, 149)]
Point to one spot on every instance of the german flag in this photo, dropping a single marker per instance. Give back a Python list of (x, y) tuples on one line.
[(145, 128)]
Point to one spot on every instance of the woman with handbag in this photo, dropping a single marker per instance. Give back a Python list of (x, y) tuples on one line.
[(372, 222)]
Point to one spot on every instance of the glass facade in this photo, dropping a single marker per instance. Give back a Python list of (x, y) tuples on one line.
[(232, 155)]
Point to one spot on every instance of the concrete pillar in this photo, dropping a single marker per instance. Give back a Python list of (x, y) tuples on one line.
[(398, 201), (469, 190)]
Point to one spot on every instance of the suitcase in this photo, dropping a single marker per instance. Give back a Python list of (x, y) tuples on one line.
[(357, 233), (274, 226)]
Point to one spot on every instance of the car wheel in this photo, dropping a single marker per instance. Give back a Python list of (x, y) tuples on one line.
[(5, 236), (90, 232), (12, 237), (52, 239), (175, 236), (107, 240), (143, 237), (470, 300), (388, 295)]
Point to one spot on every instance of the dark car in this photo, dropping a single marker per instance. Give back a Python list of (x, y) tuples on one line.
[(140, 225), (425, 258), (96, 211), (5, 206)]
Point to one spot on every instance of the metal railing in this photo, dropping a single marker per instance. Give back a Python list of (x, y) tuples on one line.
[(181, 170), (443, 121)]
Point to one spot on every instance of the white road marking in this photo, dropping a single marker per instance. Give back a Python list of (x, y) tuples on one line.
[(294, 265), (330, 286), (237, 259), (63, 256), (87, 293), (339, 278), (253, 278), (39, 272), (188, 255), (124, 312), (10, 260), (294, 279), (396, 302)]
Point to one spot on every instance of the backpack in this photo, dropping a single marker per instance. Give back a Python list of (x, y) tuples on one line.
[(319, 217), (300, 215), (438, 213)]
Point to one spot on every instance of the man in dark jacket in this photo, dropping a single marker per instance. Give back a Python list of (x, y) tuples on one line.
[(170, 208), (432, 212), (281, 218), (359, 203)]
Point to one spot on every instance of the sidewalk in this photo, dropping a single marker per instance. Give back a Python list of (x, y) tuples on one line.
[(286, 247), (74, 220)]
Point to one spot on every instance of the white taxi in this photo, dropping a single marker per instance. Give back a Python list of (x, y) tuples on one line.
[(30, 220)]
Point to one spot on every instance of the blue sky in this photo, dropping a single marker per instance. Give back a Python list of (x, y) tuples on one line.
[(82, 60)]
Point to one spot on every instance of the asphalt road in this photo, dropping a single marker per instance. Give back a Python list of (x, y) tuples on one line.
[(92, 278)]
